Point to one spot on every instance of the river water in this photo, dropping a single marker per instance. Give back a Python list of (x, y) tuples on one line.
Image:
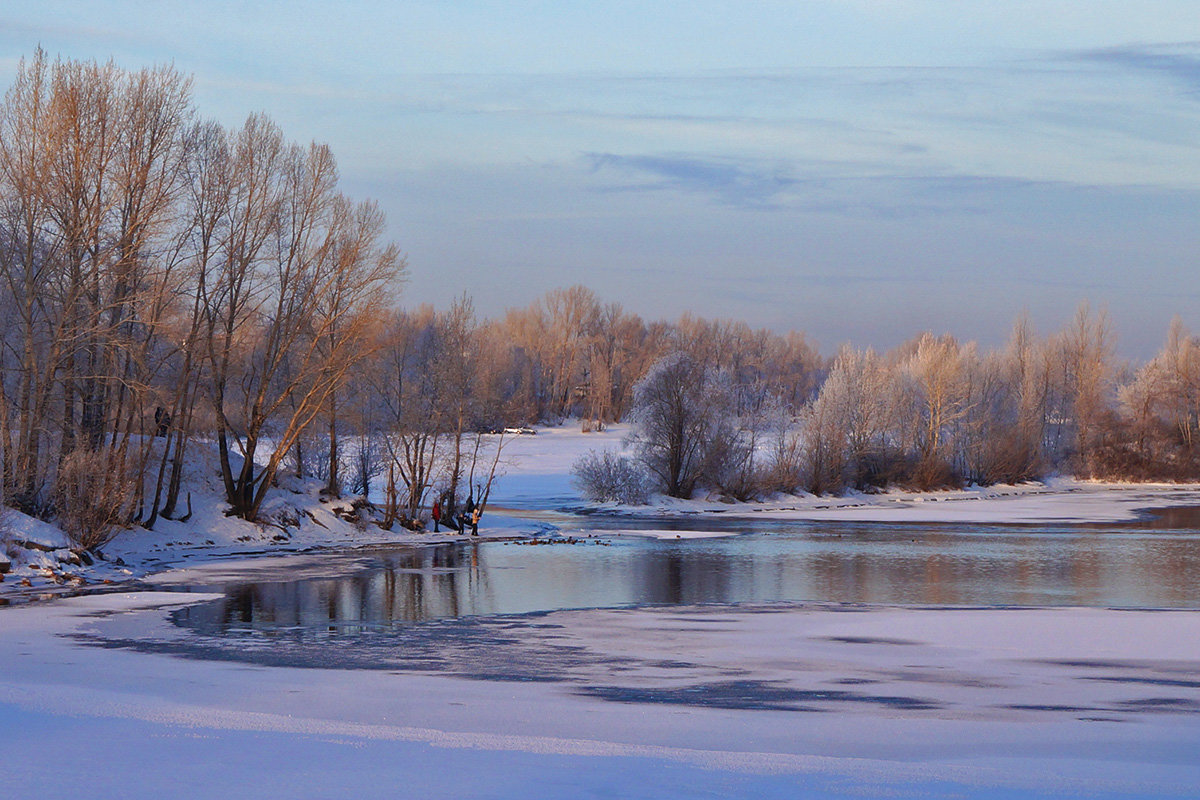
[(1154, 563)]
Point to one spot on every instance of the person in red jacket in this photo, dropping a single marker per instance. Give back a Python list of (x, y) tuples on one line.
[(436, 513)]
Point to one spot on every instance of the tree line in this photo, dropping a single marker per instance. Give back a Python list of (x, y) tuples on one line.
[(439, 385), (931, 413)]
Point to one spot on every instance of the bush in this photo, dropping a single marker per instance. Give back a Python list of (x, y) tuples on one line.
[(610, 477), (93, 494)]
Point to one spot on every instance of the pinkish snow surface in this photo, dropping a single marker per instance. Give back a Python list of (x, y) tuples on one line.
[(755, 701)]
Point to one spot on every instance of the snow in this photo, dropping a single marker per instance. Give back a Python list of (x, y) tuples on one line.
[(18, 526), (537, 469), (1016, 701), (652, 533), (538, 476)]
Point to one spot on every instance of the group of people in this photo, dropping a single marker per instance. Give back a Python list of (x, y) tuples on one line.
[(443, 511)]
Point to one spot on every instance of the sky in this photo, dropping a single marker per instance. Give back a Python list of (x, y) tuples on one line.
[(861, 170)]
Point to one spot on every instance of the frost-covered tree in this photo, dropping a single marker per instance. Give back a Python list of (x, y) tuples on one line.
[(684, 425), (933, 402), (847, 424)]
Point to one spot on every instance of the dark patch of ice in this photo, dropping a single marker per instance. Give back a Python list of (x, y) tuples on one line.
[(870, 640), (749, 695), (1140, 679)]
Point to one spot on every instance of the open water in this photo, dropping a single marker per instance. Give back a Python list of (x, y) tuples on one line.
[(1153, 563)]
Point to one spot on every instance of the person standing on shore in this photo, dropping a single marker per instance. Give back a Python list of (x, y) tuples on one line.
[(468, 513), (449, 513), (436, 513)]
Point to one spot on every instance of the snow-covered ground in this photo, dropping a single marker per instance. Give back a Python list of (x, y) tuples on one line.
[(103, 694), (97, 694)]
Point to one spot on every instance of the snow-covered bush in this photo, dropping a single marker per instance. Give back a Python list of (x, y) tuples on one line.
[(610, 477)]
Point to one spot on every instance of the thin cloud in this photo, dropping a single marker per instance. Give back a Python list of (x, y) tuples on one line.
[(733, 181), (1178, 61), (830, 187), (19, 30)]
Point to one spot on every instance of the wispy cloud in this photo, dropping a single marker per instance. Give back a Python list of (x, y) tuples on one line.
[(1179, 61), (734, 181), (813, 185), (24, 32)]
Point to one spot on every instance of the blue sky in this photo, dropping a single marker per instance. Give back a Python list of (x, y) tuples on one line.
[(858, 169)]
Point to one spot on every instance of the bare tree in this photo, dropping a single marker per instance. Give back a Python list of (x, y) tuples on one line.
[(416, 409), (300, 278), (90, 162), (31, 269), (1086, 357)]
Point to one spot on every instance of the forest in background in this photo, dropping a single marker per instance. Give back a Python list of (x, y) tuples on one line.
[(166, 281)]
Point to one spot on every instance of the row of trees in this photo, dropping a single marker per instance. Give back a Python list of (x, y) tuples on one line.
[(931, 413), (437, 383), (572, 356)]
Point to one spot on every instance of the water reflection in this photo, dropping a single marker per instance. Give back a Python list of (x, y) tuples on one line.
[(1122, 566), (408, 585)]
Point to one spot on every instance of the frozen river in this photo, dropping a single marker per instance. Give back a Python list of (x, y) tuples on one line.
[(741, 659), (1154, 563)]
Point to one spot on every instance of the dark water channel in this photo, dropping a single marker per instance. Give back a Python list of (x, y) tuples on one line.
[(1149, 564)]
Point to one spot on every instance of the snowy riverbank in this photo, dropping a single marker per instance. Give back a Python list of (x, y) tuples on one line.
[(296, 518), (536, 477), (539, 476)]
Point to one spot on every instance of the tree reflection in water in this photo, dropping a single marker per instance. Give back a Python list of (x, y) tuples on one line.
[(1153, 564)]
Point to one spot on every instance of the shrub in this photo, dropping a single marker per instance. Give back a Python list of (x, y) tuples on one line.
[(610, 477), (93, 494)]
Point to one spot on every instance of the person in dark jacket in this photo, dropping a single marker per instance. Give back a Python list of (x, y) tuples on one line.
[(464, 518), (449, 515), (162, 419)]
